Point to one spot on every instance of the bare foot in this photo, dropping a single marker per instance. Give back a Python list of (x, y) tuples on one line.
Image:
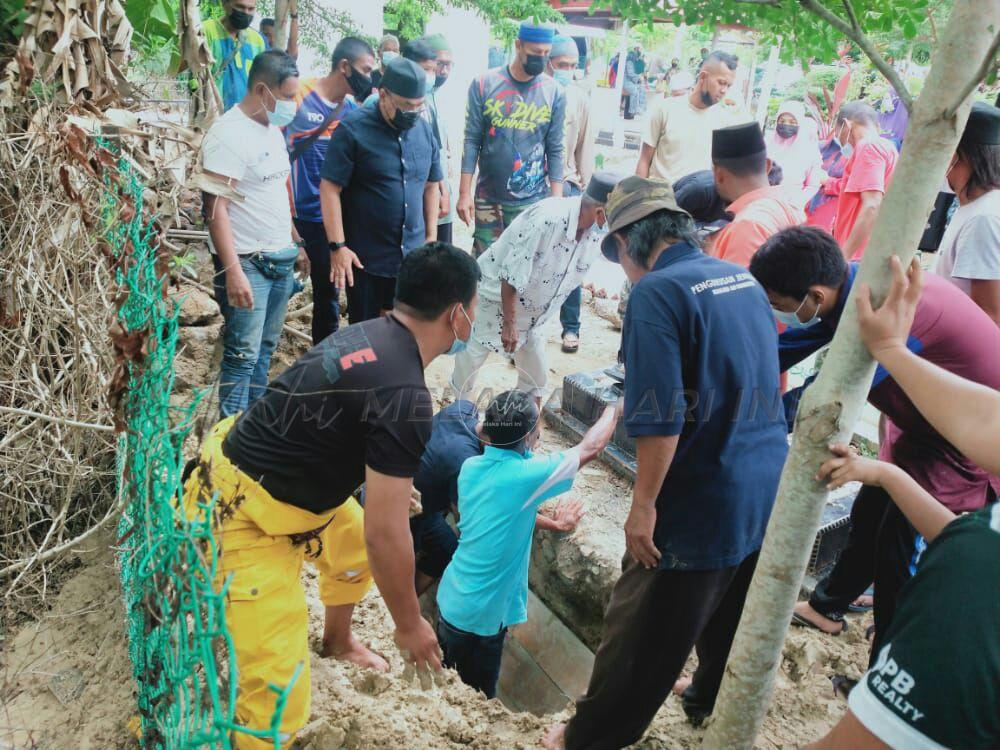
[(818, 621), (356, 653), (555, 738), (681, 685)]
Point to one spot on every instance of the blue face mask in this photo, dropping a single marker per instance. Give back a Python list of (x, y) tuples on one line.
[(284, 111), (564, 77), (791, 319), (458, 345), (430, 79)]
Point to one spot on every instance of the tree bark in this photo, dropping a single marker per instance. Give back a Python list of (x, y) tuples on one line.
[(281, 23), (830, 407)]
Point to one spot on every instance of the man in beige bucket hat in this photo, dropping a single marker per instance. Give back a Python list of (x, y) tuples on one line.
[(702, 401)]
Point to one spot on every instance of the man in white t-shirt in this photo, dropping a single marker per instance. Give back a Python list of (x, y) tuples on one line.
[(254, 245), (969, 256), (677, 136)]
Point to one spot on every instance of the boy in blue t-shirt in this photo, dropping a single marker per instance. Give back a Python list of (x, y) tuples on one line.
[(484, 589)]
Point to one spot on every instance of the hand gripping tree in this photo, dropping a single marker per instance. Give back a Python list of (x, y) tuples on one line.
[(966, 55)]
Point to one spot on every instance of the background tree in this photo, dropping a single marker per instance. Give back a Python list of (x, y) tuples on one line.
[(966, 55)]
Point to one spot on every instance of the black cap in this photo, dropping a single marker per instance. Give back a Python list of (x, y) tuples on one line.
[(405, 78), (983, 125), (601, 184), (696, 194), (737, 141)]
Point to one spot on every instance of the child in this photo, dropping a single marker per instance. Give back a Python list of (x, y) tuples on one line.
[(484, 589)]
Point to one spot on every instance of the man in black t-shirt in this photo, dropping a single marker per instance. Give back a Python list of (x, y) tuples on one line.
[(278, 481)]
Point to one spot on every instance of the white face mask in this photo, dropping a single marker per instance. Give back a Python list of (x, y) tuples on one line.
[(846, 149)]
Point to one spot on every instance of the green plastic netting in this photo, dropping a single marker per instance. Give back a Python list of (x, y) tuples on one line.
[(179, 646)]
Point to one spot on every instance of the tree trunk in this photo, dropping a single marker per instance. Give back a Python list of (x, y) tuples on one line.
[(281, 24), (830, 407)]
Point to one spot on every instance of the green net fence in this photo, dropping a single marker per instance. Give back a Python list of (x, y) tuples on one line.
[(179, 646)]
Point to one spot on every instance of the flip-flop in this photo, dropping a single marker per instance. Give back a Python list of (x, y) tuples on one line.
[(570, 343), (802, 622), (862, 608)]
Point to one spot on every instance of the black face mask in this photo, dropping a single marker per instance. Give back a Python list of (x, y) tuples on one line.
[(404, 120), (535, 64), (240, 20), (706, 99), (361, 85), (786, 131), (439, 81)]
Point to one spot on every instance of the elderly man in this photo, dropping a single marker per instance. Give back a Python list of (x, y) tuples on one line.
[(700, 388), (580, 135), (388, 50), (527, 274), (514, 134), (871, 160), (677, 137), (379, 193)]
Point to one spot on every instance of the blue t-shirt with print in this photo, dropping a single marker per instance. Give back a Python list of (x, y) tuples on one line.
[(699, 342), (485, 587)]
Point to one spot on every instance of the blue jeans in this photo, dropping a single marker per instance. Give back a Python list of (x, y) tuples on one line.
[(476, 658), (569, 313), (250, 336)]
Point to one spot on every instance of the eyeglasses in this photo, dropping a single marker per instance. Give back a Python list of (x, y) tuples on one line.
[(444, 65)]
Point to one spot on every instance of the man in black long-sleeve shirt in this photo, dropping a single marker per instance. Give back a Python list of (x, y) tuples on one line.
[(514, 131)]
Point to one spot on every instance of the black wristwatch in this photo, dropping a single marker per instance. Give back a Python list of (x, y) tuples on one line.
[(334, 246)]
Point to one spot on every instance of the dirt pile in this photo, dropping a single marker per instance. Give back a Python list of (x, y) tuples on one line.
[(65, 681)]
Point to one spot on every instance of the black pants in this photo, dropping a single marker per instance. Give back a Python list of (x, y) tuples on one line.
[(476, 658), (326, 299), (653, 620), (369, 297), (882, 547), (445, 232)]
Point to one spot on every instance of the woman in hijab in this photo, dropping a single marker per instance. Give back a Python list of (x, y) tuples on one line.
[(793, 145)]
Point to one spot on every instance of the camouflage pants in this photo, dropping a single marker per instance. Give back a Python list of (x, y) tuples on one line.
[(491, 220)]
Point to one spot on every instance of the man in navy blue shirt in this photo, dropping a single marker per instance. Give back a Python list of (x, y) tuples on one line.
[(456, 436), (702, 400), (379, 193)]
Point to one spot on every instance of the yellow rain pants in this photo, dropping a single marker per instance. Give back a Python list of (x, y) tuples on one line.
[(266, 605)]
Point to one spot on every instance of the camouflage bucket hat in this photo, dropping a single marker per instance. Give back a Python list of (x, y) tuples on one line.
[(632, 199)]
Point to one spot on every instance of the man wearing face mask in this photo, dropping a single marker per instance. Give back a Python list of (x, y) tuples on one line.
[(355, 408), (871, 160), (253, 241), (444, 63), (807, 280), (970, 249), (677, 135), (514, 133), (580, 136), (528, 273), (388, 50), (379, 191), (234, 46), (322, 103)]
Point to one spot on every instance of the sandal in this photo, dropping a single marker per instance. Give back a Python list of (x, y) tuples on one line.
[(802, 622), (570, 343), (862, 608)]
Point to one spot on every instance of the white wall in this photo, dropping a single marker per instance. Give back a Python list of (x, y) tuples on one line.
[(469, 37), (367, 15)]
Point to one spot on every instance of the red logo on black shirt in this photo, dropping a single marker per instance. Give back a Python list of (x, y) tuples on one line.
[(359, 357)]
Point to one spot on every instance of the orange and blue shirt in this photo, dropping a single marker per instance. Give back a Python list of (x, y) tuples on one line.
[(313, 110)]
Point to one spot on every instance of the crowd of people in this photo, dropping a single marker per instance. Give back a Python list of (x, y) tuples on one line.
[(740, 249)]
